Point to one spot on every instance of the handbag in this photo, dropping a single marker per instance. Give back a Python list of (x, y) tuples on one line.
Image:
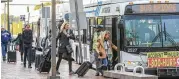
[(69, 49)]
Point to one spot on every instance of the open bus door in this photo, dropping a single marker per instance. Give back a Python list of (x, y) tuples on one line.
[(120, 36), (114, 40)]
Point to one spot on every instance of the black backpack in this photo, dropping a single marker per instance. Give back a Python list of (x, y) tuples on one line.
[(27, 36)]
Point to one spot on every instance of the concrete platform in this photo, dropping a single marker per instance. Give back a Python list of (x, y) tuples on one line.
[(17, 71), (122, 74), (127, 75)]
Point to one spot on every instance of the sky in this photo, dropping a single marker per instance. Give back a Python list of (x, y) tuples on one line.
[(22, 10)]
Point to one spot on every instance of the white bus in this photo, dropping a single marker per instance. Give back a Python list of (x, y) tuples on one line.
[(145, 31)]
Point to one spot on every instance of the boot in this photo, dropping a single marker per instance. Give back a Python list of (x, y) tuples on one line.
[(4, 58), (21, 59), (103, 68), (97, 74), (24, 65)]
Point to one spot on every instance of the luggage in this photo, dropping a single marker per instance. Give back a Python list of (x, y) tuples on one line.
[(33, 55), (38, 58), (83, 69), (11, 55), (45, 64)]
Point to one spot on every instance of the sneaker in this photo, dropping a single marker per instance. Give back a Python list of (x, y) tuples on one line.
[(58, 72), (30, 67)]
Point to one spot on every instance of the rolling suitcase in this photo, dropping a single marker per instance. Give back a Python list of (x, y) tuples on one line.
[(38, 58), (33, 55), (45, 64), (83, 69), (11, 55)]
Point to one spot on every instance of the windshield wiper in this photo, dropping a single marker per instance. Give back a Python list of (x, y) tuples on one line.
[(170, 39), (160, 35), (165, 32)]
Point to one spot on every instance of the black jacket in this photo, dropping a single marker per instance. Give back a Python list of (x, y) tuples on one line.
[(64, 40), (27, 37)]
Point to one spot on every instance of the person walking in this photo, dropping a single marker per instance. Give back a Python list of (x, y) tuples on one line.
[(104, 48), (93, 48), (19, 42), (27, 39), (5, 39), (64, 35)]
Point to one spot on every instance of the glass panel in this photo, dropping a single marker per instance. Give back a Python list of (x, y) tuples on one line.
[(108, 20), (171, 24), (108, 26), (100, 21), (140, 31)]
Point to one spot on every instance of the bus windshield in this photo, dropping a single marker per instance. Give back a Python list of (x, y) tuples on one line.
[(152, 30)]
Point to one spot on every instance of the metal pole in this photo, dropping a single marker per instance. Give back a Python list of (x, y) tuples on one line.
[(53, 51), (8, 26), (28, 17), (78, 25), (5, 16), (46, 22), (8, 16)]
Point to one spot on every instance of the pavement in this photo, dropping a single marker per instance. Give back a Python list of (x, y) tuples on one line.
[(17, 71)]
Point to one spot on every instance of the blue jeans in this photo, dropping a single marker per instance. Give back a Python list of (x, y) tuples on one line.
[(4, 49), (105, 62), (27, 54)]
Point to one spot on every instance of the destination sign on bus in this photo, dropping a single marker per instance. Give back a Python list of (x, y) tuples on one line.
[(163, 59), (153, 8)]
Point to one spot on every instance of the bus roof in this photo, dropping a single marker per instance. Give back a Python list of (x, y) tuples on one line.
[(110, 2), (127, 1)]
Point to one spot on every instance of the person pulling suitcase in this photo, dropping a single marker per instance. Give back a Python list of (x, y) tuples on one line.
[(5, 39)]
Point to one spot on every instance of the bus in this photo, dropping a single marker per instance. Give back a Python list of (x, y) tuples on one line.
[(145, 31)]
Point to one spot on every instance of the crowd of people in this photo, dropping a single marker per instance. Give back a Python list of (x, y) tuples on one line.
[(101, 46), (24, 41)]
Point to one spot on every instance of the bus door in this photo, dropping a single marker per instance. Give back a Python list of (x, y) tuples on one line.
[(110, 25), (114, 38)]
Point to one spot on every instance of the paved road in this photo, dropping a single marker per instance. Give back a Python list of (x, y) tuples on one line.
[(17, 71)]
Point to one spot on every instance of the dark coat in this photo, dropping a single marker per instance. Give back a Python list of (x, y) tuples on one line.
[(27, 37), (64, 41)]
